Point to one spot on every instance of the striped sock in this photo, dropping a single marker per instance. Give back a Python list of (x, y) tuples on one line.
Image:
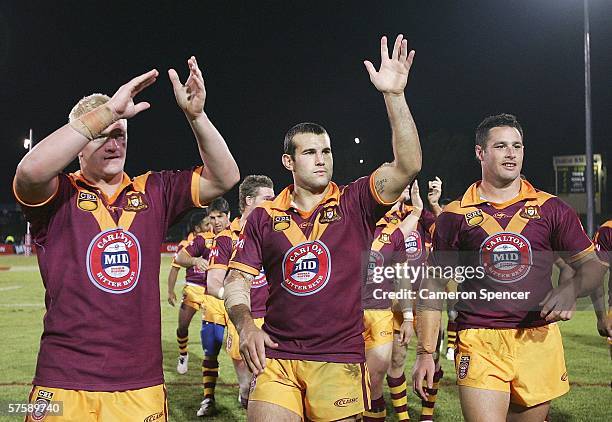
[(451, 329), (377, 411), (427, 409), (210, 373), (182, 344), (399, 397)]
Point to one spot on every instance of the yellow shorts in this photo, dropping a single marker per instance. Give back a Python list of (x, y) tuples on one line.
[(145, 404), (528, 363), (232, 345), (319, 391), (193, 296), (378, 325), (213, 310)]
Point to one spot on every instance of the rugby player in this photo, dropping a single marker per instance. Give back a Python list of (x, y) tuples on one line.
[(252, 191), (98, 234), (195, 286), (513, 231), (603, 244), (195, 258), (313, 240)]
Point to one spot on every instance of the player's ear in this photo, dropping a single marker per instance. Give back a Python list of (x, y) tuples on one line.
[(287, 162), (479, 151)]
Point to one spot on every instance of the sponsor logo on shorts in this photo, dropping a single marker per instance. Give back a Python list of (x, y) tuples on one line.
[(153, 417), (385, 333), (413, 245), (87, 201), (564, 377), (464, 365), (281, 222), (306, 268), (474, 218), (43, 398), (135, 202), (253, 384), (113, 261), (329, 215), (344, 402), (506, 257)]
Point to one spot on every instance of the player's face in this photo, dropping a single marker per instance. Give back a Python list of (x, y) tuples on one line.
[(104, 157), (502, 158), (263, 194), (219, 221), (313, 164)]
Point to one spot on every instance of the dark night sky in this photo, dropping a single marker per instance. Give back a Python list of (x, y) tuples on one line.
[(270, 65)]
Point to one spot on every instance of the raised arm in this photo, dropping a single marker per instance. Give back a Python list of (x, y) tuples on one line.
[(220, 171), (433, 196), (391, 79), (36, 176)]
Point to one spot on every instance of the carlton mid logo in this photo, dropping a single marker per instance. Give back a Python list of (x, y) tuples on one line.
[(306, 268), (506, 257), (113, 261), (260, 280), (414, 246)]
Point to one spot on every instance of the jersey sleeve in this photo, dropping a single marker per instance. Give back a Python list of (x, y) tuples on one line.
[(248, 253), (221, 252), (361, 192), (39, 215), (181, 192), (197, 247), (603, 244), (569, 239)]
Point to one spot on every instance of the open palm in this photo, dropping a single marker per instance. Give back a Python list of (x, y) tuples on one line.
[(191, 96), (393, 73)]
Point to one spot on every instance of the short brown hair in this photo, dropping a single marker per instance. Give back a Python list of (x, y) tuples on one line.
[(86, 104), (498, 120), (306, 127), (249, 187)]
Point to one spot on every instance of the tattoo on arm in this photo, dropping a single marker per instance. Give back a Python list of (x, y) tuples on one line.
[(380, 186)]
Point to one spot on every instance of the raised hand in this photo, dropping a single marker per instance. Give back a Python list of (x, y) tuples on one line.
[(191, 96), (435, 191), (415, 196), (122, 103), (392, 76)]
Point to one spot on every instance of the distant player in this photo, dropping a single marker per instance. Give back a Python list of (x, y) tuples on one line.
[(603, 244), (98, 233), (252, 191), (313, 240), (194, 289), (194, 257), (507, 232)]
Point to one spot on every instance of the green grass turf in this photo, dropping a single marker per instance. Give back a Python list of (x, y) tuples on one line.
[(22, 309)]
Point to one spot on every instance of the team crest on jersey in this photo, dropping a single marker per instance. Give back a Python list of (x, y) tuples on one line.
[(414, 246), (506, 257), (208, 243), (260, 280), (281, 222), (306, 268), (376, 260), (87, 201), (474, 218), (385, 238), (41, 405), (113, 261), (531, 212), (464, 366), (329, 215), (135, 202)]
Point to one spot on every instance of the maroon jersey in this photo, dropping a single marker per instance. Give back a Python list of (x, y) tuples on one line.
[(99, 261), (603, 246), (387, 250), (515, 243), (220, 256), (180, 246), (315, 263), (199, 247)]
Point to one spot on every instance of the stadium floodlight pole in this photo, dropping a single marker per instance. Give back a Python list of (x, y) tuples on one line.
[(27, 144), (588, 127)]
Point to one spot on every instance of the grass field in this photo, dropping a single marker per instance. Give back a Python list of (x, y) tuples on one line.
[(22, 310)]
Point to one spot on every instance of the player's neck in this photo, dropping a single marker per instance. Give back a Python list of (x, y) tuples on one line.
[(305, 200), (499, 193), (107, 185)]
